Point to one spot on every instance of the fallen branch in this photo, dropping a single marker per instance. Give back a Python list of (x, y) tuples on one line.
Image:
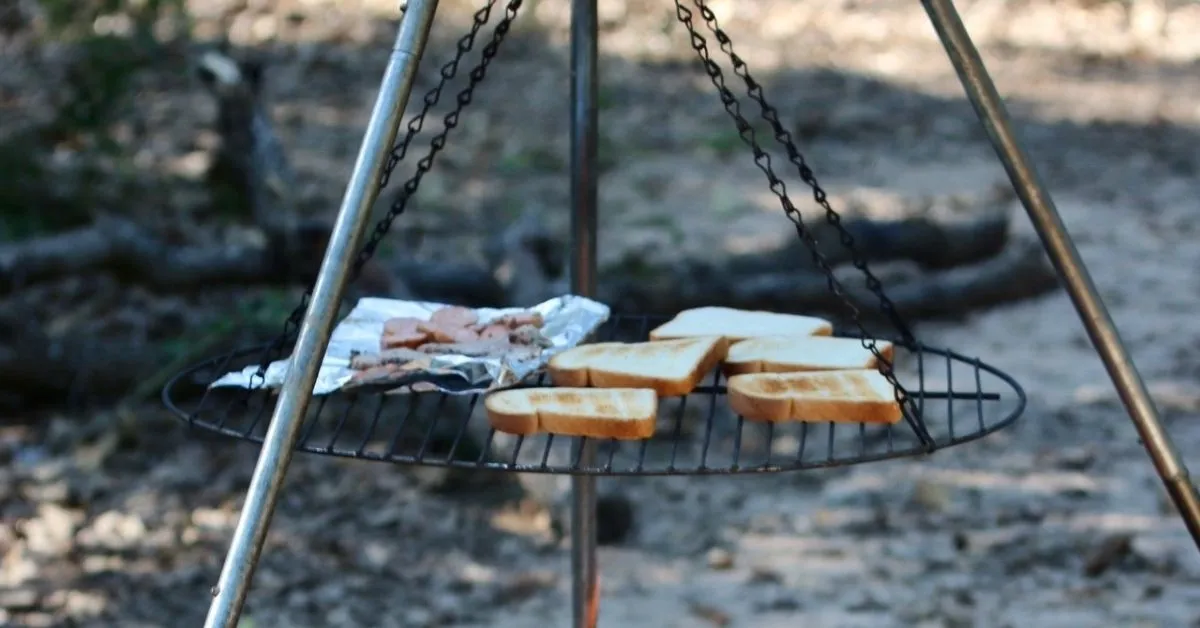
[(34, 365), (1020, 273), (136, 256), (931, 244)]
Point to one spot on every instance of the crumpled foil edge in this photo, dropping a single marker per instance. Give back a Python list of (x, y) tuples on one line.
[(569, 320)]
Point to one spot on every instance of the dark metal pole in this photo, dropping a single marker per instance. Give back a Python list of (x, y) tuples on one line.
[(296, 392), (1033, 194), (584, 146)]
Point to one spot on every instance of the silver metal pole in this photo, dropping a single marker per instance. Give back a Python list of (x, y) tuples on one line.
[(1078, 282), (230, 593), (584, 146)]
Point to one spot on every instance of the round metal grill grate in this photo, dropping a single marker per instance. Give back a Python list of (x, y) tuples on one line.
[(954, 398)]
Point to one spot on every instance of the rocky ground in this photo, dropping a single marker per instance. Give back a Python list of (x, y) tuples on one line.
[(1058, 521)]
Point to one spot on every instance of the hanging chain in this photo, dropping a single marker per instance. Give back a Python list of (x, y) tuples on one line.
[(763, 161), (450, 121), (784, 138), (400, 150)]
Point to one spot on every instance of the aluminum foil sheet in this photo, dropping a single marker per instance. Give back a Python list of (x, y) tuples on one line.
[(569, 320)]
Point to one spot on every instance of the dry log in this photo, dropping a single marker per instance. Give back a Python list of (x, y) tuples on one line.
[(136, 256), (35, 366), (929, 243), (1019, 273)]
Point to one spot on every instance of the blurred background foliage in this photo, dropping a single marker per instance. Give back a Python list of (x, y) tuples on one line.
[(106, 44)]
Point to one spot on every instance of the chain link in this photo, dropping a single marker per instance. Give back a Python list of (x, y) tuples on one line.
[(784, 138), (400, 150), (777, 186), (450, 121)]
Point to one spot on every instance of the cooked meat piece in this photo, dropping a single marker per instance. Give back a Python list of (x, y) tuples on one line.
[(520, 319), (472, 349), (402, 332), (364, 361), (401, 356), (375, 374), (404, 341), (401, 325), (441, 332), (454, 316), (530, 335), (464, 335), (494, 331)]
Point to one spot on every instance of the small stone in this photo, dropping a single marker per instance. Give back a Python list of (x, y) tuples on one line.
[(523, 586), (783, 603), (56, 491), (37, 620), (19, 600), (859, 521), (711, 614), (1166, 554), (52, 530), (860, 601), (114, 530), (771, 523), (83, 603), (376, 554), (719, 559), (1110, 551), (48, 471), (930, 496), (1074, 459), (764, 575), (384, 517), (418, 617)]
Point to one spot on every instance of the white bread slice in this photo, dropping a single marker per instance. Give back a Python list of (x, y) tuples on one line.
[(786, 354), (621, 413), (734, 325), (670, 368), (851, 396)]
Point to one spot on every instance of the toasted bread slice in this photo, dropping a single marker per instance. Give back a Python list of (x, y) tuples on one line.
[(670, 368), (734, 325), (786, 354), (850, 396), (621, 413)]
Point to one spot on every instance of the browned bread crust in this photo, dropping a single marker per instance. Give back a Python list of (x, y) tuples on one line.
[(848, 396), (670, 367), (620, 413), (787, 354)]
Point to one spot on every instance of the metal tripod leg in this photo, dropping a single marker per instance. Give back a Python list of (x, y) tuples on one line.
[(1036, 199), (584, 146), (230, 593)]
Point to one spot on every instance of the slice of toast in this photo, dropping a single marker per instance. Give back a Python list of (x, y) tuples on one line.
[(850, 396), (670, 368), (620, 413), (734, 325), (786, 354)]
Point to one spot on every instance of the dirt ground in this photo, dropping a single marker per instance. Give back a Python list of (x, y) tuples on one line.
[(1010, 531)]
